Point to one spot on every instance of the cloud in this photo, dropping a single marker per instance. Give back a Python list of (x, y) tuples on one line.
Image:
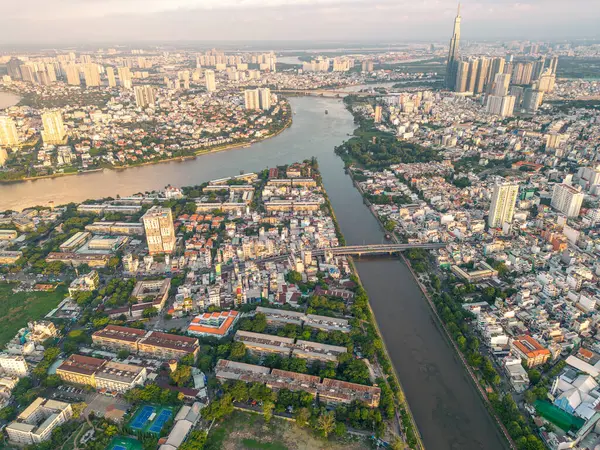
[(118, 21)]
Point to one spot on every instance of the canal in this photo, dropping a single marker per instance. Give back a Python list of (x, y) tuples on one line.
[(446, 406)]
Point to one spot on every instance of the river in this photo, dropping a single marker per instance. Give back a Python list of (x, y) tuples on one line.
[(8, 99), (448, 412)]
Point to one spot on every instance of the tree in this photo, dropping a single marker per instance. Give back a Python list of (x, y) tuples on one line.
[(268, 410), (181, 375), (123, 354), (397, 444), (78, 408), (302, 415), (239, 391), (326, 423), (150, 312), (238, 351), (340, 429)]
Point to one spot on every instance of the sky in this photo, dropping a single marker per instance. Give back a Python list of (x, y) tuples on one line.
[(77, 22)]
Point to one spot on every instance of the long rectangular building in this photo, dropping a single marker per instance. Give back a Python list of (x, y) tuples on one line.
[(282, 317), (101, 374), (266, 343), (328, 390), (151, 343)]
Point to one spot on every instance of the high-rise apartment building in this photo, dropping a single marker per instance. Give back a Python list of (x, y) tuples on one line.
[(14, 68), (453, 53), (125, 77), (72, 73), (9, 136), (461, 76), (567, 199), (502, 106), (54, 132), (160, 231), (211, 83), (110, 75), (91, 75), (378, 114), (264, 96), (144, 96), (502, 208), (482, 75), (473, 69), (532, 99), (251, 99)]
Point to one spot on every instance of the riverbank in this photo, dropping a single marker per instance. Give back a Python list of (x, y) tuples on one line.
[(197, 153)]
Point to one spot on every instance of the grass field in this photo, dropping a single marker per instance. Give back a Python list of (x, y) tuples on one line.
[(249, 431), (18, 309)]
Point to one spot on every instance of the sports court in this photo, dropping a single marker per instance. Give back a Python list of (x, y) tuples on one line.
[(124, 443), (151, 419)]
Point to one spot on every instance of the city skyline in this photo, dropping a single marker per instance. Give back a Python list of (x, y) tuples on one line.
[(71, 21)]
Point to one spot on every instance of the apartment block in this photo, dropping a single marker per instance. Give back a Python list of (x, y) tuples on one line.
[(36, 423)]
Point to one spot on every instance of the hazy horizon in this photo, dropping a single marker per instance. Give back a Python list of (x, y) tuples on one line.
[(81, 22)]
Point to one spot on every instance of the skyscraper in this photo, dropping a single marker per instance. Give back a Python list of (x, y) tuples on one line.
[(92, 75), (251, 99), (72, 72), (264, 96), (502, 208), (211, 84), (461, 76), (473, 69), (8, 132), (160, 231), (453, 53), (482, 75), (378, 111), (567, 199), (54, 132), (124, 77), (144, 96), (110, 74)]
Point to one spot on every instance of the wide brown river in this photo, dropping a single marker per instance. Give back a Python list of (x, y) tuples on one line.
[(446, 406)]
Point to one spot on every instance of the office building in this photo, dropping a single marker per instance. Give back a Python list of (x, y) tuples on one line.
[(453, 54), (36, 423), (251, 99), (125, 77), (567, 199), (160, 231), (91, 74), (9, 137), (211, 83), (144, 96), (54, 132), (110, 75), (502, 208)]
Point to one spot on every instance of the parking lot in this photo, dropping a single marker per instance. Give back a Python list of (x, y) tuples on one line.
[(100, 404)]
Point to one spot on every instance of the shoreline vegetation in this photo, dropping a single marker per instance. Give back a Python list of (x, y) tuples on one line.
[(196, 153)]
